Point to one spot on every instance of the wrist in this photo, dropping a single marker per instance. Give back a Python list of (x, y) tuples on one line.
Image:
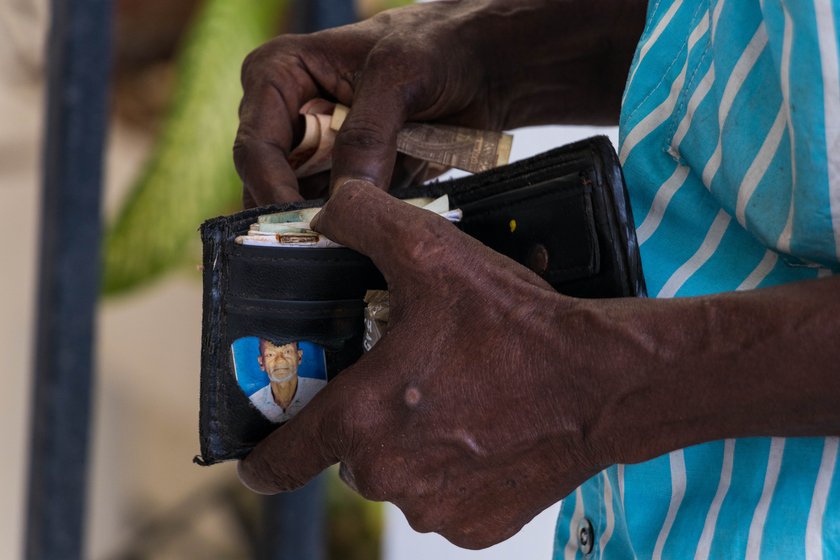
[(685, 371)]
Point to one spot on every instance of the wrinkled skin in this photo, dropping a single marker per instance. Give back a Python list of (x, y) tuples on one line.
[(426, 427), (484, 64), (491, 396)]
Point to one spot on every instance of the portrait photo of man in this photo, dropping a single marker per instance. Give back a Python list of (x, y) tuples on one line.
[(279, 379)]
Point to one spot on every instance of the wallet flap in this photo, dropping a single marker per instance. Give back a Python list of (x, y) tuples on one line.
[(532, 225)]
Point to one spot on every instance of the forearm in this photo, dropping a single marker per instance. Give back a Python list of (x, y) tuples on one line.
[(554, 62), (685, 371)]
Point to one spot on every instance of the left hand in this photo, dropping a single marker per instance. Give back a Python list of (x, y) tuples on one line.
[(460, 415), (487, 64)]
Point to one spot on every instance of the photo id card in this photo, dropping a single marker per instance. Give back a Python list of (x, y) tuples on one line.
[(278, 379)]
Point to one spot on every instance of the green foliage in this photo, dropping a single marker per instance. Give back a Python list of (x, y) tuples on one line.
[(190, 176), (388, 4)]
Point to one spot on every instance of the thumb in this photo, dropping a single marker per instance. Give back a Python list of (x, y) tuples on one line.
[(366, 146), (397, 236)]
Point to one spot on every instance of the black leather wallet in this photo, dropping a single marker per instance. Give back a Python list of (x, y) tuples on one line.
[(564, 214)]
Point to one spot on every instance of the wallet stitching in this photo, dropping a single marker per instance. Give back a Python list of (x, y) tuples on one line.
[(261, 308), (308, 312), (517, 179), (285, 259)]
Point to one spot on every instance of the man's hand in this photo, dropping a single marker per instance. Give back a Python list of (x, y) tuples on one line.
[(459, 415), (491, 396), (490, 64)]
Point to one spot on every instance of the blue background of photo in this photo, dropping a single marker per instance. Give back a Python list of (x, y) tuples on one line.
[(251, 378)]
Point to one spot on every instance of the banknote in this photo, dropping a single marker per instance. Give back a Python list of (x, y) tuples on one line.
[(314, 153), (456, 147), (463, 148), (300, 216), (292, 228)]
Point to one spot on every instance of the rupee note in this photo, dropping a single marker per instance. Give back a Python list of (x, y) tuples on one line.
[(457, 147)]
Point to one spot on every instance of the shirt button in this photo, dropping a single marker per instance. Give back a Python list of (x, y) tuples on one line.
[(586, 536)]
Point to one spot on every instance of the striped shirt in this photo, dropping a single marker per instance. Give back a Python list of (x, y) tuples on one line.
[(730, 142)]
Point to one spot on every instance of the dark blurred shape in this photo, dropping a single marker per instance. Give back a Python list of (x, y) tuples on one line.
[(355, 525), (79, 51), (180, 531), (142, 94), (316, 15), (148, 31), (148, 34)]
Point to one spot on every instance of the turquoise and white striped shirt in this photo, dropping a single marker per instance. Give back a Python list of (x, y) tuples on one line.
[(730, 141)]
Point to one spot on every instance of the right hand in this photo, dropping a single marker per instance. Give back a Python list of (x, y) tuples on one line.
[(491, 64)]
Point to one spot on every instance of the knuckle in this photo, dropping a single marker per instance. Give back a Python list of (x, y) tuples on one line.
[(362, 133), (269, 58), (405, 54), (427, 248), (409, 66), (404, 85), (253, 64), (247, 146), (424, 519), (384, 19), (392, 53), (242, 145)]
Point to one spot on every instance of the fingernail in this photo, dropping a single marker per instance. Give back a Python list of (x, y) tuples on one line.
[(243, 478), (316, 221)]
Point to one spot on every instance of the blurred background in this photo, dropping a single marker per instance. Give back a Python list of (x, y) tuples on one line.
[(171, 123)]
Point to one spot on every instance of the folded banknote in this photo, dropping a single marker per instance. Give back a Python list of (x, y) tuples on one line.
[(292, 229)]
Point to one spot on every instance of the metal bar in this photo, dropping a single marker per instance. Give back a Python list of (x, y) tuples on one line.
[(293, 524), (78, 71)]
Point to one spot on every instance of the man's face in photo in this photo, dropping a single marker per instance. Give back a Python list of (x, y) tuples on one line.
[(279, 362)]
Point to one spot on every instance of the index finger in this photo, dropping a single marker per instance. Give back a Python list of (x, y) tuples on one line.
[(394, 234), (275, 88), (366, 146)]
